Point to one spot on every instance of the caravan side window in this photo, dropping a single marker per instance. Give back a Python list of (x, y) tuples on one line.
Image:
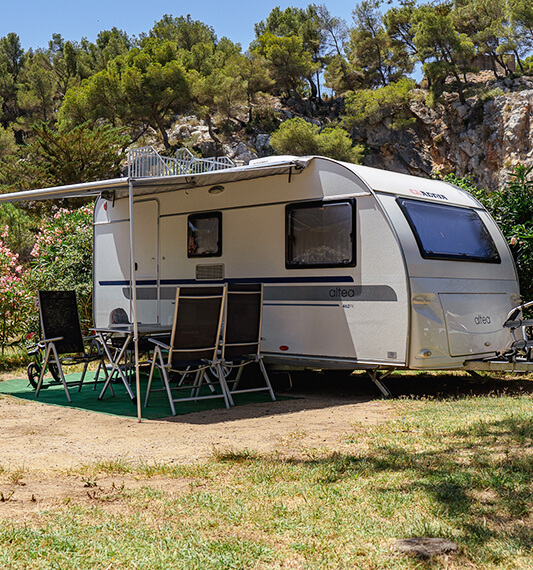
[(204, 235), (320, 234), (449, 232)]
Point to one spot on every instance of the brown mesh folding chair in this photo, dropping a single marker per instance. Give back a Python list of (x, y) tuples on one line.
[(193, 347), (62, 338), (241, 344)]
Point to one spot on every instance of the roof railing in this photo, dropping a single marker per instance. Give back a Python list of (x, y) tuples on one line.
[(146, 162)]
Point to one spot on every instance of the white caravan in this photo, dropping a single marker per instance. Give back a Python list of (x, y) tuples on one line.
[(362, 268)]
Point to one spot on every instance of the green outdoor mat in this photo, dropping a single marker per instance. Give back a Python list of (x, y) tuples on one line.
[(120, 404)]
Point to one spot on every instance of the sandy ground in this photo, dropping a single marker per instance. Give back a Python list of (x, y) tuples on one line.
[(37, 436), (43, 449)]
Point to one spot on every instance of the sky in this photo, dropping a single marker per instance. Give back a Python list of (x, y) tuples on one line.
[(34, 21)]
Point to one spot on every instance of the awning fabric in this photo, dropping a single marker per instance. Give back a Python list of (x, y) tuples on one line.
[(119, 187)]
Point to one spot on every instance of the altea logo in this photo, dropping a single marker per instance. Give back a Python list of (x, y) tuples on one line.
[(482, 320), (427, 194)]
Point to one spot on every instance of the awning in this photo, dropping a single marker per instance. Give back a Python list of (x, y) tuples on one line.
[(120, 187)]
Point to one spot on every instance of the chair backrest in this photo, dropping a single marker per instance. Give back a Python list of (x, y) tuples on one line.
[(243, 320), (197, 322), (58, 312)]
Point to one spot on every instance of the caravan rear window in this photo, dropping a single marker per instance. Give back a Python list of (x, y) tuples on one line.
[(320, 234), (204, 235), (449, 232)]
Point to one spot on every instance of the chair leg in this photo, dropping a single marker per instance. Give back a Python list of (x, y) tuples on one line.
[(225, 390), (150, 377), (169, 391), (85, 366), (43, 368), (60, 368), (267, 380)]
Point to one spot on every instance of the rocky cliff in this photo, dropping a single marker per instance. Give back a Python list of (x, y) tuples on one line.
[(484, 137)]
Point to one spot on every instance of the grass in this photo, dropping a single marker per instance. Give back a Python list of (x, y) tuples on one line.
[(460, 469)]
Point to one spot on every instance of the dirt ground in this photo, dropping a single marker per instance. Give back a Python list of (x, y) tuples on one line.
[(44, 448)]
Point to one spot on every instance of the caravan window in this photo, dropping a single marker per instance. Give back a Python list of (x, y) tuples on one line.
[(204, 235), (320, 234), (449, 232)]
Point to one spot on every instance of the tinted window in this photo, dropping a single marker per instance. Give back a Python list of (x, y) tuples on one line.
[(204, 235), (320, 234), (449, 232)]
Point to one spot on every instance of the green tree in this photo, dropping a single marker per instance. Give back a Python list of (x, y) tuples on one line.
[(184, 32), (372, 50), (484, 22), (310, 25), (63, 256), (298, 137), (11, 62), (443, 49), (289, 63), (369, 106), (142, 89), (37, 96)]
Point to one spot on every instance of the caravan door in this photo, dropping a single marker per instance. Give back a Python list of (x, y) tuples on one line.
[(146, 236)]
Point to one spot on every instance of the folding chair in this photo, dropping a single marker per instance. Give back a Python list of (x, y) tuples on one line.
[(241, 343), (62, 338), (193, 347)]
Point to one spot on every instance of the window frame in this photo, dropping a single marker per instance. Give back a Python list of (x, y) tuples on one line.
[(205, 216), (445, 256), (289, 208)]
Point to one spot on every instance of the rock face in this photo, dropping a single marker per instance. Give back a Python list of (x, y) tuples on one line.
[(484, 137)]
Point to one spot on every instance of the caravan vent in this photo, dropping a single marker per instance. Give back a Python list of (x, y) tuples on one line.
[(210, 272)]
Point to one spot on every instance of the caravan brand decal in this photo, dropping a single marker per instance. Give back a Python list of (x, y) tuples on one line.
[(482, 320), (317, 293), (427, 194)]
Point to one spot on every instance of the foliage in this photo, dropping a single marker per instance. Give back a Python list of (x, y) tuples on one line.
[(15, 299), (63, 256), (81, 154), (297, 136), (369, 106), (512, 209), (288, 62), (373, 51)]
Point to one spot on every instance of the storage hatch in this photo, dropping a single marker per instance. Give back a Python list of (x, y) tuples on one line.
[(474, 322)]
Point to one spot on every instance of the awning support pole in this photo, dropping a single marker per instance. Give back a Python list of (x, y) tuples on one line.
[(133, 280)]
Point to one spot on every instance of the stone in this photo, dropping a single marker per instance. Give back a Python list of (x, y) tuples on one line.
[(425, 547)]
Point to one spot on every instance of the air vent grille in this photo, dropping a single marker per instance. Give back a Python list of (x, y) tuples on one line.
[(214, 271)]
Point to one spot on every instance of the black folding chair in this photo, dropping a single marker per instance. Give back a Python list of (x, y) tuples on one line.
[(241, 343), (193, 347), (62, 340)]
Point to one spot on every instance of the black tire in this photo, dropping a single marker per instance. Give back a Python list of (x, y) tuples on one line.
[(34, 371), (52, 367)]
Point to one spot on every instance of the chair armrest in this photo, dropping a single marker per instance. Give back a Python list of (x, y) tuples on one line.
[(45, 340), (159, 343)]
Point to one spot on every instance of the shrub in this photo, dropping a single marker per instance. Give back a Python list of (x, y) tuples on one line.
[(369, 106), (63, 256), (512, 208), (297, 136), (15, 299)]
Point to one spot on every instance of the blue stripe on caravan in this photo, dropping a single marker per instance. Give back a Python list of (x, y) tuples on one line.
[(332, 304), (126, 283)]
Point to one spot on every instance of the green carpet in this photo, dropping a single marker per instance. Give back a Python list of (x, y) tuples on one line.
[(119, 404)]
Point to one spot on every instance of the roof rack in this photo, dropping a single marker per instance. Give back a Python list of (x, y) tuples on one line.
[(146, 162)]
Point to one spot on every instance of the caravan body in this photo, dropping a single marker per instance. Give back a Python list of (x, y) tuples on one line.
[(362, 268)]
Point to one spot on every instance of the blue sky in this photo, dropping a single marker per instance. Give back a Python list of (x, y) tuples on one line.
[(36, 20)]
